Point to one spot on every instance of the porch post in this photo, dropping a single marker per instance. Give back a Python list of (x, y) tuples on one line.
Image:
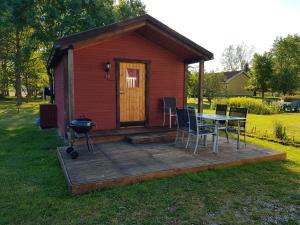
[(70, 83), (201, 86), (185, 84)]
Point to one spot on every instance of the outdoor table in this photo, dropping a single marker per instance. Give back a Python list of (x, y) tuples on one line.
[(216, 119)]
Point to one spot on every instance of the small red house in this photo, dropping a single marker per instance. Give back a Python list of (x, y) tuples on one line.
[(118, 74)]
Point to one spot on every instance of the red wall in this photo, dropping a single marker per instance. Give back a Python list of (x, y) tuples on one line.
[(59, 96), (95, 97)]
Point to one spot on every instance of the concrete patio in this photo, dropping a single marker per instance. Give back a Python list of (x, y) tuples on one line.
[(119, 163)]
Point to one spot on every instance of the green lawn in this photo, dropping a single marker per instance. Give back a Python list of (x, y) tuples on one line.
[(33, 189)]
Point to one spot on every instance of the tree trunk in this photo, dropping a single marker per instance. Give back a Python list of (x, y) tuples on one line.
[(17, 69), (5, 81), (263, 94), (51, 84)]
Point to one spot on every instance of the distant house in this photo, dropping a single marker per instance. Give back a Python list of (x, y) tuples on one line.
[(236, 83)]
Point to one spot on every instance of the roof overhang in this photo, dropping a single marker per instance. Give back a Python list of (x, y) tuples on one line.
[(146, 26)]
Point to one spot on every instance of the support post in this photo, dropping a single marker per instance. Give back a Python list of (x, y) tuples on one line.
[(70, 83), (201, 86), (185, 85)]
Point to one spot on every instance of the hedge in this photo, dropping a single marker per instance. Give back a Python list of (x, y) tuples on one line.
[(255, 106)]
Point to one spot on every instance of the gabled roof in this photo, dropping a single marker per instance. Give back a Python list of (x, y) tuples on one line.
[(231, 74), (146, 26)]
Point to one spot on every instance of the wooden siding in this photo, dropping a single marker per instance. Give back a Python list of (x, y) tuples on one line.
[(237, 85), (132, 95), (95, 96), (59, 87)]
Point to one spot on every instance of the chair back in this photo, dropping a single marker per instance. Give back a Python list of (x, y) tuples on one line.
[(221, 110), (192, 118), (182, 119), (169, 102), (238, 112)]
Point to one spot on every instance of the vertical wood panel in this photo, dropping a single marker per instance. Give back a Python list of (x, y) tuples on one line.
[(132, 100)]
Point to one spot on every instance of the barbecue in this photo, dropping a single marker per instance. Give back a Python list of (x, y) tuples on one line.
[(81, 127)]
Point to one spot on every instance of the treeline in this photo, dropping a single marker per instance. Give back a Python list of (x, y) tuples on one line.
[(276, 71), (28, 29)]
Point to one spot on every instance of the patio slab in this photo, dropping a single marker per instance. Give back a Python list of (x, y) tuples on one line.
[(119, 163)]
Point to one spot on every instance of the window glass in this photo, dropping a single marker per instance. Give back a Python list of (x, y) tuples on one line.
[(132, 78)]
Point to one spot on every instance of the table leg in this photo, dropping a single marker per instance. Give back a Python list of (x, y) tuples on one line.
[(238, 136), (216, 142)]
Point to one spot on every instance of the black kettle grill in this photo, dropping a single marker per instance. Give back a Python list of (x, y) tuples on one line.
[(81, 127)]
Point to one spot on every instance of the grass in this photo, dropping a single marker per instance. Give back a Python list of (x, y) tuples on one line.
[(33, 189)]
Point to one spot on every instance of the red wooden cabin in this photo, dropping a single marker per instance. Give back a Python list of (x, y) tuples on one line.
[(118, 74)]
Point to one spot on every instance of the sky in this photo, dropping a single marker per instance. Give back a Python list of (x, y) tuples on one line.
[(215, 24)]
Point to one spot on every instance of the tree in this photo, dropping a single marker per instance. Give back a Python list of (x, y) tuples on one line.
[(286, 64), (262, 72), (17, 17), (236, 57), (214, 86), (129, 8), (193, 84)]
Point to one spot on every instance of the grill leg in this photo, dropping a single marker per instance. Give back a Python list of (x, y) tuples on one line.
[(89, 144)]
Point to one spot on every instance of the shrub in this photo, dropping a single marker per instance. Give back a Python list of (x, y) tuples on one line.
[(291, 98), (280, 131), (253, 105)]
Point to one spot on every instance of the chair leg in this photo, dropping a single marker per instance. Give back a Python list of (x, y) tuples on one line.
[(205, 141), (182, 137), (197, 140), (164, 120), (177, 134), (188, 141), (170, 121), (226, 132)]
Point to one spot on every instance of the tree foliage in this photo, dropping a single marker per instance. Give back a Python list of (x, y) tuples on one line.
[(193, 84), (278, 70), (262, 71), (214, 85), (286, 64), (236, 57)]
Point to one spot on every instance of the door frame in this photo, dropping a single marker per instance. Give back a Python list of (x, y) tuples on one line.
[(117, 79)]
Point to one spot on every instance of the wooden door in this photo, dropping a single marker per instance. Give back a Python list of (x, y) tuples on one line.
[(132, 93)]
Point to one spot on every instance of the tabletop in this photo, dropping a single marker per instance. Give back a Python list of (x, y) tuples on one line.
[(218, 117)]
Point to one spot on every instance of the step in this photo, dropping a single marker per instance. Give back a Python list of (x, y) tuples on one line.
[(151, 138)]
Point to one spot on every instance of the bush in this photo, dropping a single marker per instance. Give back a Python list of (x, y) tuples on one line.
[(291, 98), (280, 131), (253, 105)]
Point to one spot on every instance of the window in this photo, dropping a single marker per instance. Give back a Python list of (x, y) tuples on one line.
[(132, 78)]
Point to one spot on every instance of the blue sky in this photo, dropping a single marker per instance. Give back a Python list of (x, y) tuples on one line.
[(215, 24)]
